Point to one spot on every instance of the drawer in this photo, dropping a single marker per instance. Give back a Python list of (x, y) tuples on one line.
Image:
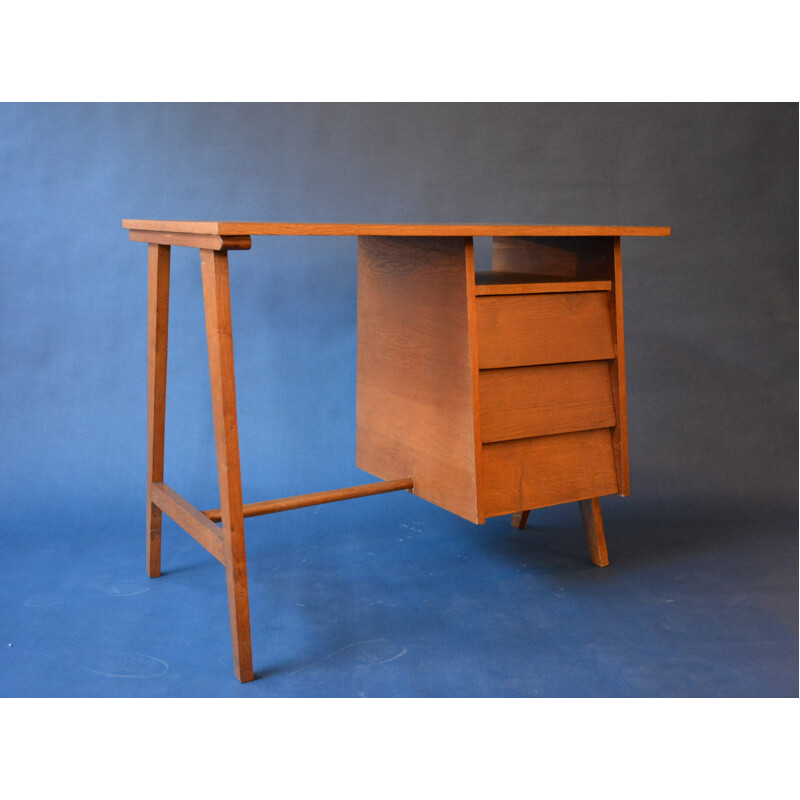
[(546, 470), (520, 402), (520, 330)]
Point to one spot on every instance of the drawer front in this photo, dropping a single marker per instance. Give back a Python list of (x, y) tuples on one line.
[(520, 402), (521, 330), (547, 470)]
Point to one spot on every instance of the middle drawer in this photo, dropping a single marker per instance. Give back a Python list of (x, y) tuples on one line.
[(520, 402)]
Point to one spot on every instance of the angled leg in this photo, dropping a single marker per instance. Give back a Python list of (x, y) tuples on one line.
[(216, 292), (520, 519), (595, 535), (158, 317)]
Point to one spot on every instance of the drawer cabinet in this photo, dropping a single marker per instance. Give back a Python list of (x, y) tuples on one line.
[(545, 398), (500, 391)]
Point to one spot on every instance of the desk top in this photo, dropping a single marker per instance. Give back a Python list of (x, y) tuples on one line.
[(370, 229)]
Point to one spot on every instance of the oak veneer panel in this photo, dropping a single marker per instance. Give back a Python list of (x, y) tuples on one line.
[(521, 330), (547, 470), (220, 228), (417, 372), (535, 401)]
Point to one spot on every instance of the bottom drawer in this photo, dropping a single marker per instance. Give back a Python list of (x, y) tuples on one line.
[(546, 470)]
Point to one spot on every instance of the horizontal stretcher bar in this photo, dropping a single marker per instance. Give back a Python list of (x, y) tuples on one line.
[(316, 498)]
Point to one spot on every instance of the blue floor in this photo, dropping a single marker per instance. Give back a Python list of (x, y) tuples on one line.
[(392, 597)]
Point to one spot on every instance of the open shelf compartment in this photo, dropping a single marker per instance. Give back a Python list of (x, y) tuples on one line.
[(543, 265)]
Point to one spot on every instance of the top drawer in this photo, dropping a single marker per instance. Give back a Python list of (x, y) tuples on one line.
[(522, 330)]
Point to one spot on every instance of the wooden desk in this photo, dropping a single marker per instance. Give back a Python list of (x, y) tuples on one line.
[(485, 393)]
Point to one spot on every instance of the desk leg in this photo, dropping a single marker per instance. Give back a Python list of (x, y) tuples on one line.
[(157, 323), (520, 519), (216, 292), (595, 534), (592, 524)]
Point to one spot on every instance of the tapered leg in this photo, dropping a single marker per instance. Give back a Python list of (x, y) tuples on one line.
[(595, 535), (520, 519), (158, 318), (216, 292)]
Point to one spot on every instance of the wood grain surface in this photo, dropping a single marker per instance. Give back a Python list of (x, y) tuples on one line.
[(202, 241), (520, 402), (546, 470), (521, 330), (216, 294), (157, 328), (189, 518), (370, 229), (416, 413)]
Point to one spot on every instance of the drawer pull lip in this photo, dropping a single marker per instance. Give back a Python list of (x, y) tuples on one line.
[(496, 282)]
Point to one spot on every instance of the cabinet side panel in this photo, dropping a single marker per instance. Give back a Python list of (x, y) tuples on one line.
[(619, 435), (415, 404)]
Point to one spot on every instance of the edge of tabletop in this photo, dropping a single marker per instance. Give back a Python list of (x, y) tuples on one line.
[(372, 229)]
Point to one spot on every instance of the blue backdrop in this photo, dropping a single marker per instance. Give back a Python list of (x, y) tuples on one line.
[(388, 595)]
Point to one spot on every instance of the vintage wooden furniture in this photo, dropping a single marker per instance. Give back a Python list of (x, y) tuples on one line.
[(486, 393)]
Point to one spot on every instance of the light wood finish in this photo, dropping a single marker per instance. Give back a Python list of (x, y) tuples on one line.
[(493, 282), (317, 498), (520, 402), (595, 534), (619, 436), (520, 519), (202, 241), (189, 518), (216, 292), (158, 324), (484, 394), (522, 330), (369, 229), (547, 470), (416, 414)]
